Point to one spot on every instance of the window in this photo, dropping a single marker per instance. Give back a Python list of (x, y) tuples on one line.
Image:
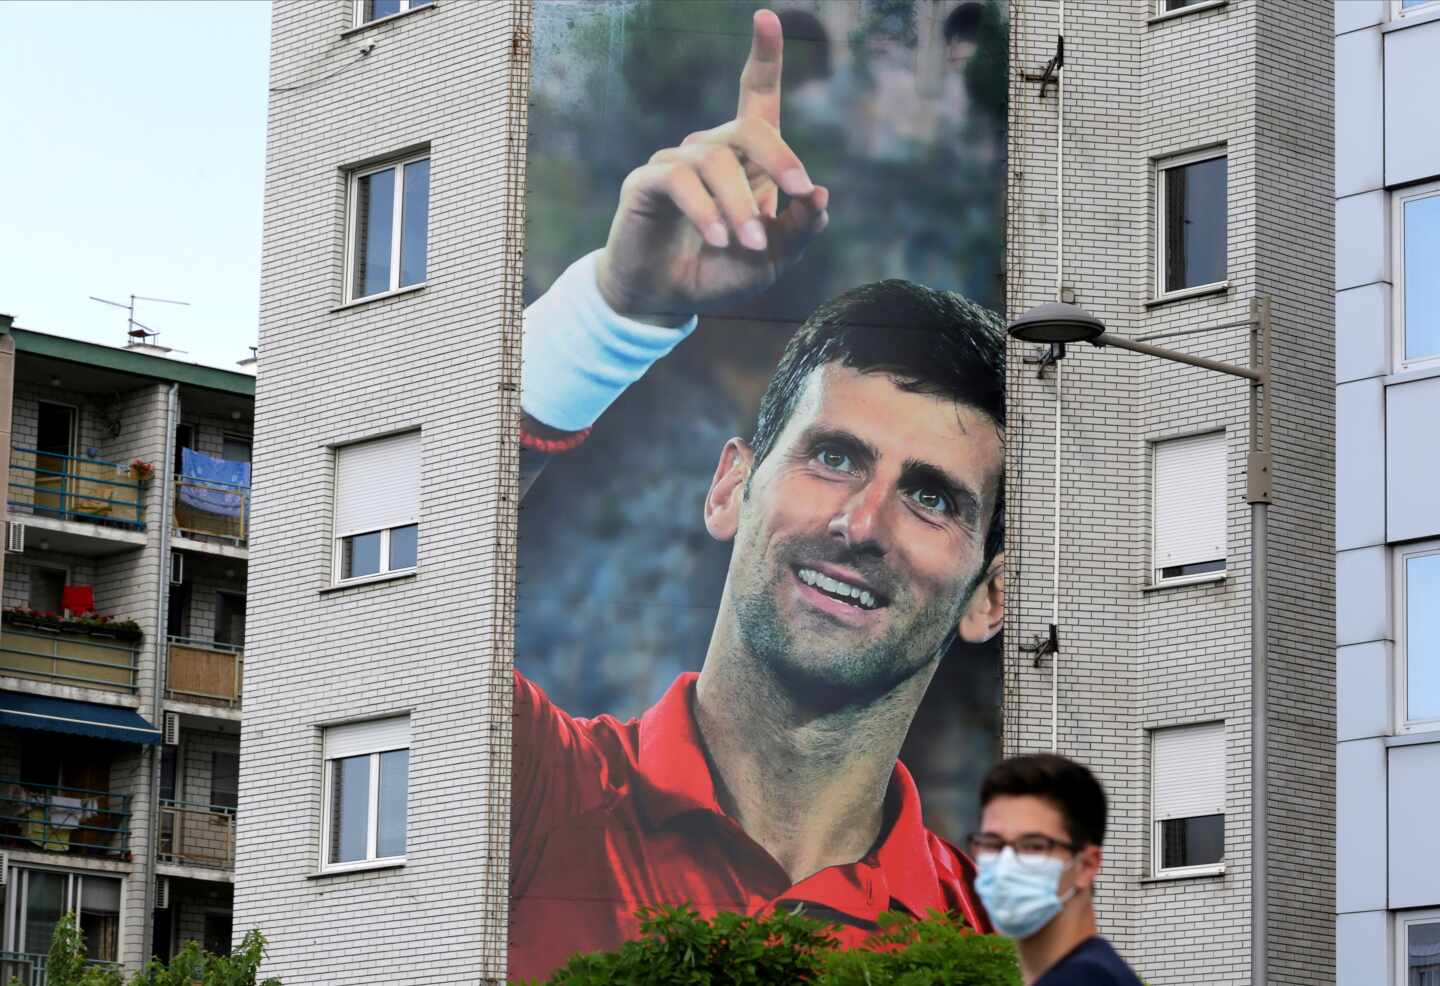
[(1418, 647), (47, 588), (1168, 5), (1417, 298), (224, 779), (37, 899), (235, 448), (377, 507), (1187, 799), (367, 768), (1189, 498), (1418, 942), (388, 223), (1191, 222), (372, 10), (1399, 8), (230, 619)]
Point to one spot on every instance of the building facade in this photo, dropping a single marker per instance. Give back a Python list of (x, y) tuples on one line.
[(1196, 180), (121, 649), (1387, 528)]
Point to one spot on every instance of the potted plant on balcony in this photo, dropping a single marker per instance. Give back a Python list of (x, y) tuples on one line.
[(142, 471), (23, 617)]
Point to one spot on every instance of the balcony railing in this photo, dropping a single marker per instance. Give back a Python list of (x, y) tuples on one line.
[(28, 968), (212, 509), (67, 487), (64, 819), (70, 657), (204, 670), (197, 835)]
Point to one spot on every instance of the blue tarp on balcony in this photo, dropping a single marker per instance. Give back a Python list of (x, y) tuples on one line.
[(228, 481), (61, 715)]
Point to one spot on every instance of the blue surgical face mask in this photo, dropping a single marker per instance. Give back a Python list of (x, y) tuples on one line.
[(1021, 898)]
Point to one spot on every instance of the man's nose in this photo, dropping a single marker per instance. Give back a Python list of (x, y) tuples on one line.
[(863, 520)]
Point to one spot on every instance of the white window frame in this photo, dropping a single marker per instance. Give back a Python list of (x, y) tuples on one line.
[(1162, 10), (1397, 253), (397, 215), (1156, 841), (1403, 921), (337, 553), (16, 903), (1155, 578), (1403, 723), (385, 572), (383, 743), (1397, 11), (405, 7), (1163, 165)]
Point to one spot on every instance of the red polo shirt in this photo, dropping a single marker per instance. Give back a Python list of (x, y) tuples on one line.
[(607, 816)]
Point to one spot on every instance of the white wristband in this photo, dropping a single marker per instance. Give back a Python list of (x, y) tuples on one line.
[(579, 354)]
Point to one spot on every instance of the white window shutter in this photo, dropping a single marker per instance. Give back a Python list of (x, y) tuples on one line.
[(1190, 486), (377, 484), (1188, 767), (376, 736)]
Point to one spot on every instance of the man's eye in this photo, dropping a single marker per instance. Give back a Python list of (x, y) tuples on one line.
[(932, 500), (834, 459)]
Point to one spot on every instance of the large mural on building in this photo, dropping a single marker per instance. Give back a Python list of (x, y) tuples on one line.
[(761, 550)]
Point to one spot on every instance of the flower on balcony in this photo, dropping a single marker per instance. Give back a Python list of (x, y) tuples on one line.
[(24, 616), (142, 470)]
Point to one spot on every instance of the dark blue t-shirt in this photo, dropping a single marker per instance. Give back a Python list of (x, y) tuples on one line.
[(1091, 963)]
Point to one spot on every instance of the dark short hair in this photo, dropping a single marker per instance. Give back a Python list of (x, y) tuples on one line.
[(1063, 782), (929, 342), (963, 22)]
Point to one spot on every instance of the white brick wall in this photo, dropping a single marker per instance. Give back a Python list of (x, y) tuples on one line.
[(435, 645)]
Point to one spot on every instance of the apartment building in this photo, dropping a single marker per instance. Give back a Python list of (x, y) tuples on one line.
[(1196, 177), (121, 647), (1387, 525)]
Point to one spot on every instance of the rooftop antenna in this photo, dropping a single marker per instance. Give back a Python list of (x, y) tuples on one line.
[(137, 333)]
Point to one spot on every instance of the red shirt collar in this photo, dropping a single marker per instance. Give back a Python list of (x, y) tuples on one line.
[(675, 778)]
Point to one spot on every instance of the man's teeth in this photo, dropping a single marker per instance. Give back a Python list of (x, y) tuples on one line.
[(837, 588)]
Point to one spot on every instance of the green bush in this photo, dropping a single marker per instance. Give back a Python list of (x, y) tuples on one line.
[(677, 947), (193, 966)]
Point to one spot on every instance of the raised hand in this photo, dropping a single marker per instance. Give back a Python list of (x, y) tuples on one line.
[(698, 225)]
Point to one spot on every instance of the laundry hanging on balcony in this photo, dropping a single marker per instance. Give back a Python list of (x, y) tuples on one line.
[(213, 486)]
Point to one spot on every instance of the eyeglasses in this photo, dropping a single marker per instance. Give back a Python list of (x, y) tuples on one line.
[(1031, 849)]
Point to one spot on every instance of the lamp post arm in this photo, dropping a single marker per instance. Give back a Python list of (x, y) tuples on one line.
[(1120, 342)]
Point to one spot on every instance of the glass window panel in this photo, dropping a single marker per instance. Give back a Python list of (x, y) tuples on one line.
[(1422, 954), (44, 903), (374, 230), (414, 224), (1194, 206), (381, 8), (404, 544), (394, 788), (100, 917), (1422, 286), (1422, 637), (360, 555), (224, 779), (1198, 841), (349, 808)]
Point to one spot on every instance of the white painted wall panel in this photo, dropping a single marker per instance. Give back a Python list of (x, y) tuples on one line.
[(1352, 15), (1362, 596), (1362, 690), (1362, 332), (1359, 120), (1362, 948), (1359, 464), (1361, 222), (1414, 834), (1360, 825), (1412, 481), (1412, 111)]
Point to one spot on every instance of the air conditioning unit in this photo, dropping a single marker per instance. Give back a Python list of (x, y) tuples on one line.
[(162, 893), (4, 868), (177, 568), (172, 729), (14, 536)]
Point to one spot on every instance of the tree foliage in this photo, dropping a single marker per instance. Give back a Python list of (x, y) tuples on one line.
[(677, 947)]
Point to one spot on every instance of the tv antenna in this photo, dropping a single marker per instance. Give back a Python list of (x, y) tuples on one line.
[(138, 332)]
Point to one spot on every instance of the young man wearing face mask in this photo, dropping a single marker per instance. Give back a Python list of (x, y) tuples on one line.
[(1042, 823)]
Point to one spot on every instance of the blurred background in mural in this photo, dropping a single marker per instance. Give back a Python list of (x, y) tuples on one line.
[(898, 106)]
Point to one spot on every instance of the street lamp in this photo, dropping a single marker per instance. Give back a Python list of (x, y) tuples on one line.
[(1057, 325)]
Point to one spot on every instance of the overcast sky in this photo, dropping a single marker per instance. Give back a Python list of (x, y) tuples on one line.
[(133, 162)]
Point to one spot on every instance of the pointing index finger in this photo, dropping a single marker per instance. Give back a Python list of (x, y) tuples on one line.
[(760, 81)]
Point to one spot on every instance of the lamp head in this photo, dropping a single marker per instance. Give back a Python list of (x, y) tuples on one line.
[(1056, 322)]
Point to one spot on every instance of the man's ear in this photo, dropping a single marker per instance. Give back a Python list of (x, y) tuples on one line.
[(727, 490), (1087, 867), (984, 614)]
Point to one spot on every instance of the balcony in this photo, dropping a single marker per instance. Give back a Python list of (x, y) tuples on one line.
[(70, 488), (205, 672), (209, 506), (28, 969), (197, 835), (70, 820), (46, 649)]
